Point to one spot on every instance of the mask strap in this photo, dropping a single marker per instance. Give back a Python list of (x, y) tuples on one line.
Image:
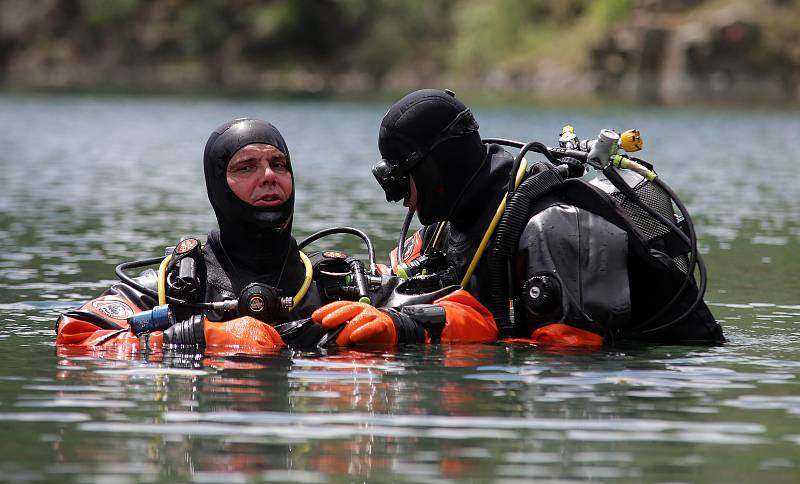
[(455, 129)]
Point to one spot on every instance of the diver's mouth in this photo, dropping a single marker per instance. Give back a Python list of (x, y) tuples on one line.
[(269, 201)]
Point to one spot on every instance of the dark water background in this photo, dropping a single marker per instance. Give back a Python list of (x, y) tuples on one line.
[(87, 182)]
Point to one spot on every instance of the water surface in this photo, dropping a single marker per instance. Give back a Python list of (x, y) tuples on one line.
[(88, 182)]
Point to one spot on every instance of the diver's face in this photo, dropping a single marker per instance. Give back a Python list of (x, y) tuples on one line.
[(259, 175)]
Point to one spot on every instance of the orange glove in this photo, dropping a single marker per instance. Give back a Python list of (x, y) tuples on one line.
[(365, 324), (244, 334), (468, 321), (565, 335)]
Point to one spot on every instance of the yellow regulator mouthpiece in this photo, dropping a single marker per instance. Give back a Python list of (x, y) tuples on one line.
[(631, 140)]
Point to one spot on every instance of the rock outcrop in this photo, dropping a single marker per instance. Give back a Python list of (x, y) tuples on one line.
[(659, 51)]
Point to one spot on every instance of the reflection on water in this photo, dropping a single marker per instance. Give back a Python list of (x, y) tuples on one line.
[(433, 413), (88, 182)]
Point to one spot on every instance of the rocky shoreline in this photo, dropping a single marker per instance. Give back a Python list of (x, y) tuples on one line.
[(663, 52)]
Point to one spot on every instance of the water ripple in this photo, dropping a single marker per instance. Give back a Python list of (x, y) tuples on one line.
[(790, 403), (291, 427), (431, 414), (148, 372), (44, 417)]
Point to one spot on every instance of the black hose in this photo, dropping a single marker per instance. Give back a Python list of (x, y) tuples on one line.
[(343, 230), (567, 152), (507, 236), (696, 258), (120, 272), (701, 290), (549, 153), (121, 268), (532, 146), (539, 147), (690, 241), (626, 190), (504, 142), (401, 242)]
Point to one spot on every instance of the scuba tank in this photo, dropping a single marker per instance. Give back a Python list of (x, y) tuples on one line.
[(626, 193)]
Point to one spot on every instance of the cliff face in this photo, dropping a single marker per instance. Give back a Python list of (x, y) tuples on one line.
[(676, 51), (717, 51)]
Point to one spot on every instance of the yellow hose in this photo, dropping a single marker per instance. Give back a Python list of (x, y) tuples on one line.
[(306, 281), (626, 163), (439, 230), (495, 220), (162, 280)]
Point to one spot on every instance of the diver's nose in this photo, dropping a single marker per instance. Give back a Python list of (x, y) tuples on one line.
[(268, 175)]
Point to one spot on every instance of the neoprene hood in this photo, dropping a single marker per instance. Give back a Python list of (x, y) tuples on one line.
[(253, 243), (436, 128), (223, 143)]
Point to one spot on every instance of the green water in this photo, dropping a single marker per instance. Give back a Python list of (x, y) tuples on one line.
[(88, 182)]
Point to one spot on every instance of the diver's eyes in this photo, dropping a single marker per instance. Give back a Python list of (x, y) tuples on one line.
[(245, 167), (279, 166)]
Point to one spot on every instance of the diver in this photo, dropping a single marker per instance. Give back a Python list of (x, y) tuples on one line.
[(570, 265), (251, 187), (250, 288)]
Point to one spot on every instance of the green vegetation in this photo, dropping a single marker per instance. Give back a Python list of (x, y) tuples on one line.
[(545, 48), (101, 14)]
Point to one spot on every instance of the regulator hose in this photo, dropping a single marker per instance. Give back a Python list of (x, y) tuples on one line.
[(552, 154), (532, 146), (523, 149), (507, 235), (120, 272), (695, 261), (401, 242), (505, 142), (373, 268)]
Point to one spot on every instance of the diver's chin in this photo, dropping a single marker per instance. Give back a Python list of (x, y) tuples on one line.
[(424, 219)]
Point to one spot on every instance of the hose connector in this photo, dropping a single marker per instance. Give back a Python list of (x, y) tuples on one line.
[(225, 305), (360, 280), (604, 148), (156, 319), (568, 139)]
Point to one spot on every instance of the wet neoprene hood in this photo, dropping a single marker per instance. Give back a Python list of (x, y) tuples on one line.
[(253, 243), (434, 126), (223, 143)]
